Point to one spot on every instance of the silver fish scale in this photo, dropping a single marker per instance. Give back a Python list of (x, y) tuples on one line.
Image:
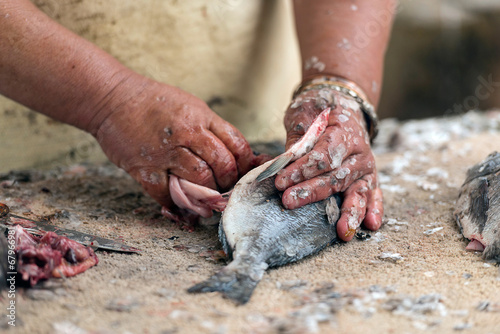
[(275, 235)]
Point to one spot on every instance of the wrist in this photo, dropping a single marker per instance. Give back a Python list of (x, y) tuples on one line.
[(347, 88), (125, 88)]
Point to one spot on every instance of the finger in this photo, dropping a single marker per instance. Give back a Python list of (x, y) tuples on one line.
[(187, 165), (375, 210), (328, 154), (215, 153), (296, 123), (303, 110), (337, 180), (235, 143), (323, 158), (310, 191), (155, 183), (184, 164), (353, 210)]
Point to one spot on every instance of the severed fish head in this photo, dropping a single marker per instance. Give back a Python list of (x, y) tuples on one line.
[(478, 207)]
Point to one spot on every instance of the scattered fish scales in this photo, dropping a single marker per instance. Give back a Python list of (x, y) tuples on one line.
[(437, 172), (416, 307), (466, 275), (429, 274), (411, 178), (427, 311), (395, 257), (427, 186), (289, 285), (65, 327), (459, 313), (378, 237), (393, 221), (487, 306), (433, 230), (383, 178), (400, 163), (463, 326), (394, 188), (423, 135), (123, 304)]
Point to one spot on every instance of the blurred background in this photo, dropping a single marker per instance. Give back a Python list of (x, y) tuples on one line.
[(440, 52), (242, 58)]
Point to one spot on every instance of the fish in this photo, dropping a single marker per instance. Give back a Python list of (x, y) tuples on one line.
[(477, 211), (257, 232)]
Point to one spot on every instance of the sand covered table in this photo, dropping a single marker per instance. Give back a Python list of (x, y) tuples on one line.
[(413, 274)]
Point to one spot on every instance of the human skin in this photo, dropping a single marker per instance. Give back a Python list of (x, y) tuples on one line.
[(152, 130), (346, 39), (148, 128)]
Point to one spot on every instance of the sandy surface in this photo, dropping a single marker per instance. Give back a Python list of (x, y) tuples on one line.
[(434, 285)]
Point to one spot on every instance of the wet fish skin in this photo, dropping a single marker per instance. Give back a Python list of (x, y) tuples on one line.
[(257, 233), (478, 206)]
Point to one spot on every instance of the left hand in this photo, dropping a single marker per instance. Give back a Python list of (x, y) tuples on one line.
[(341, 161)]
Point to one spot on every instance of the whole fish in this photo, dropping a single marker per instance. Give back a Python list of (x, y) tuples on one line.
[(257, 232), (478, 207)]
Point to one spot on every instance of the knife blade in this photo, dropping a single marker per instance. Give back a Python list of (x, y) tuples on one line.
[(38, 227)]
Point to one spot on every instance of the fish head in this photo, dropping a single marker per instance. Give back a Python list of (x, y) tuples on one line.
[(478, 207)]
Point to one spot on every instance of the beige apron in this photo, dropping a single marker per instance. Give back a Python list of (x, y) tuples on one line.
[(238, 55)]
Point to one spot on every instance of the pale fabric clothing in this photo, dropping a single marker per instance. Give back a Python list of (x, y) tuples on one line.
[(239, 55)]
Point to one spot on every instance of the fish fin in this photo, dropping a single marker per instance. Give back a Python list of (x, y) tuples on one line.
[(275, 167), (300, 148), (233, 285)]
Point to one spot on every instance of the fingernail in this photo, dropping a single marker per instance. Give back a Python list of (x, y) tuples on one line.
[(287, 203), (350, 232), (280, 183), (290, 200)]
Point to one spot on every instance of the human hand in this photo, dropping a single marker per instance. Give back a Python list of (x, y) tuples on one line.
[(158, 130), (341, 161)]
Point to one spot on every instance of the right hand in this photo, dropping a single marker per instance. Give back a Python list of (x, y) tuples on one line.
[(163, 130), (340, 162)]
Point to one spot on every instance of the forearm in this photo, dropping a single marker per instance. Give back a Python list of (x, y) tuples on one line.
[(347, 38), (50, 69)]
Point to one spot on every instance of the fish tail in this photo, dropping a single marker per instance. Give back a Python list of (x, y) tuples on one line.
[(234, 282)]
